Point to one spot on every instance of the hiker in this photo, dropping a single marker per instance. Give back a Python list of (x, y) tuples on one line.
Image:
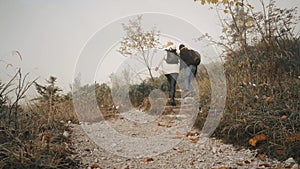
[(170, 67), (189, 65)]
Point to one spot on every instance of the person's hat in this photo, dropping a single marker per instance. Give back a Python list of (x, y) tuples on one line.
[(181, 46), (170, 45)]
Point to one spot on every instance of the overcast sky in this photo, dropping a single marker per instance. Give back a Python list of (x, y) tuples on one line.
[(51, 35)]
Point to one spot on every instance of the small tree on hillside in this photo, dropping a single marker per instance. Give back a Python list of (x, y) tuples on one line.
[(139, 40), (49, 95)]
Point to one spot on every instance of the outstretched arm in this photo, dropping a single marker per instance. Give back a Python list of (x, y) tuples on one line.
[(160, 63)]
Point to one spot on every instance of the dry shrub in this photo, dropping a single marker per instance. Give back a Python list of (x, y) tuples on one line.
[(263, 98), (262, 65), (26, 138), (204, 94), (35, 146)]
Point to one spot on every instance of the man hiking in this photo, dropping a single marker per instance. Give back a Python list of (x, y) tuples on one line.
[(191, 59)]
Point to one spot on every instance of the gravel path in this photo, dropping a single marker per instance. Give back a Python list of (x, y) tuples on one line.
[(211, 153), (138, 140)]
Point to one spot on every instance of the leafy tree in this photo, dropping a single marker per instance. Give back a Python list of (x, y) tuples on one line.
[(49, 95), (138, 40)]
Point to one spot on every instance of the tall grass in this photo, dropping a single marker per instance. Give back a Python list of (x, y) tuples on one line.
[(26, 138)]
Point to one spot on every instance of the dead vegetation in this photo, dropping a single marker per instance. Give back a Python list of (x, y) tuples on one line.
[(27, 138), (262, 67)]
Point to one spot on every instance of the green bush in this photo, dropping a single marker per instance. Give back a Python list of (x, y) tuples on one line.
[(138, 92)]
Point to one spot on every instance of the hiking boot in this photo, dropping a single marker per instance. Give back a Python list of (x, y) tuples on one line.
[(173, 102)]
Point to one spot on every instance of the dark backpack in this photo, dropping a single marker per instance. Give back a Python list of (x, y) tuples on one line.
[(196, 57), (172, 57)]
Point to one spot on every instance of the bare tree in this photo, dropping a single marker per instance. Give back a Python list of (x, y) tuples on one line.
[(138, 40)]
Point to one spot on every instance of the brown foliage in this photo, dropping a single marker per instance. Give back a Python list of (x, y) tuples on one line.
[(262, 70)]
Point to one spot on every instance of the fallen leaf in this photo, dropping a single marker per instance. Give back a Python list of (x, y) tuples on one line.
[(221, 151), (87, 149), (262, 157), (283, 117), (69, 128), (238, 149), (260, 137), (239, 164), (247, 162), (192, 162), (95, 166), (150, 159), (253, 142), (146, 161), (189, 134), (164, 125), (195, 140), (265, 165)]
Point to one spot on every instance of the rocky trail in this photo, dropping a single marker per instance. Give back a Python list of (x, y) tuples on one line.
[(136, 139)]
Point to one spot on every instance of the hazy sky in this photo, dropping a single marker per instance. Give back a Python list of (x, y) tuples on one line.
[(51, 34)]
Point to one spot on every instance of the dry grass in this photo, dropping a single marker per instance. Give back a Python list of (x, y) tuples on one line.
[(27, 140), (261, 99)]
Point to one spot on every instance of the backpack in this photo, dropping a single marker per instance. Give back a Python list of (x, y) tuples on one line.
[(196, 57), (172, 58)]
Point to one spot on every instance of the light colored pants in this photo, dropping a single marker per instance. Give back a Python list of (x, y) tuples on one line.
[(189, 74)]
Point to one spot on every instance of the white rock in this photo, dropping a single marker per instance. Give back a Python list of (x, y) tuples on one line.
[(214, 150), (66, 134), (289, 161)]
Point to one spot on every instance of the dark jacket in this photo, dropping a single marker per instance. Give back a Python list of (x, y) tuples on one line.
[(185, 57)]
